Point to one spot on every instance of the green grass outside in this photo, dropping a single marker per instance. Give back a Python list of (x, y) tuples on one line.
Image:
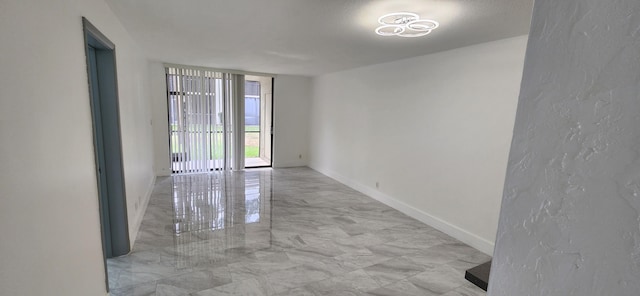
[(251, 128), (251, 151), (252, 148)]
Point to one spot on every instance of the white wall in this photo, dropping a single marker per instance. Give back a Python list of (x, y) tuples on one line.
[(137, 132), (292, 96), (49, 217), (291, 116), (433, 131), (162, 163), (569, 223)]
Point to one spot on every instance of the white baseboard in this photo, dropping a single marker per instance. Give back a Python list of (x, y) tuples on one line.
[(141, 210), (454, 231), (289, 164)]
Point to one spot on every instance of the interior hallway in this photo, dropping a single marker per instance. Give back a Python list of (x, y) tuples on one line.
[(284, 232)]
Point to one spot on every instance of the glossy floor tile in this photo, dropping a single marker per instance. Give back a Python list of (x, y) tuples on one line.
[(284, 232)]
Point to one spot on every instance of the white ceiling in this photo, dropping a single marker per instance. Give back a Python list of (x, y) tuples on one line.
[(308, 37)]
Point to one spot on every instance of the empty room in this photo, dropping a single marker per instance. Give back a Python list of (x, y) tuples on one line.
[(304, 147)]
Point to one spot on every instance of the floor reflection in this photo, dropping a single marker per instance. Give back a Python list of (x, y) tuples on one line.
[(219, 213), (196, 222), (219, 200), (283, 232)]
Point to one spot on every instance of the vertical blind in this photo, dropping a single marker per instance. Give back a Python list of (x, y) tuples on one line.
[(206, 125)]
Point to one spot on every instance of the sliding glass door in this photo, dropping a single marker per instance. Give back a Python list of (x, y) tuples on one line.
[(258, 121), (216, 120)]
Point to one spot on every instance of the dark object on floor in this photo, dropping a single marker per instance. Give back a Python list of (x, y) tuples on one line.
[(479, 275)]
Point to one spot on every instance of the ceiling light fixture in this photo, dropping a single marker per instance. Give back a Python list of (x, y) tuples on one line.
[(405, 24)]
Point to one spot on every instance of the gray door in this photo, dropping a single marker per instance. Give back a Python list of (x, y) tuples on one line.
[(103, 90)]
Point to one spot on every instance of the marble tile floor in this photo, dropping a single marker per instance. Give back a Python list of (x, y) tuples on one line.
[(284, 232)]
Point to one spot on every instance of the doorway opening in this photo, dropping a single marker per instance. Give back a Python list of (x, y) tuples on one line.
[(258, 105), (103, 93)]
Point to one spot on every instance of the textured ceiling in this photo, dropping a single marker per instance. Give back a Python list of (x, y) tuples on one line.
[(308, 37)]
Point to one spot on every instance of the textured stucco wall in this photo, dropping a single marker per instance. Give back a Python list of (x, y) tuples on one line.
[(569, 223)]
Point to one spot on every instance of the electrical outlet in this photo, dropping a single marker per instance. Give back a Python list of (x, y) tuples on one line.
[(377, 185), (300, 156)]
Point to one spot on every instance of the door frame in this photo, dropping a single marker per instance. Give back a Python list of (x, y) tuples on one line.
[(105, 116)]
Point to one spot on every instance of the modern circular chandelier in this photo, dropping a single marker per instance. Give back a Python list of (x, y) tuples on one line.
[(405, 24)]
